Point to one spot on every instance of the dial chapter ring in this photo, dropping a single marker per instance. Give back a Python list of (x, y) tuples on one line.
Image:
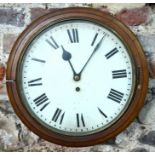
[(136, 51)]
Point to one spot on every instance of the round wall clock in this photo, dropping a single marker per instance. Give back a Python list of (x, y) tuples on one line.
[(77, 77)]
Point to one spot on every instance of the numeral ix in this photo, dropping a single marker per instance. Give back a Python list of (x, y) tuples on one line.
[(35, 82)]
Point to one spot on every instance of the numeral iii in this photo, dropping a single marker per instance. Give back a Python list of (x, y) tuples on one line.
[(119, 74)]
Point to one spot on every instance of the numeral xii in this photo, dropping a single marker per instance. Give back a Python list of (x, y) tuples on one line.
[(73, 35)]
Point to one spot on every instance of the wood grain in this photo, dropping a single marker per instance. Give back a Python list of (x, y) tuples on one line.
[(135, 50)]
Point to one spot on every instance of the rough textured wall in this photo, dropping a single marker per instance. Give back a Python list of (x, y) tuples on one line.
[(139, 136)]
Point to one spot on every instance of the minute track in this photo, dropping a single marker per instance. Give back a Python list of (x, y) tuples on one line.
[(96, 81), (66, 53), (61, 113)]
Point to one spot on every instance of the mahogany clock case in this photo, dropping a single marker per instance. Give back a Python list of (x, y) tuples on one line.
[(101, 18)]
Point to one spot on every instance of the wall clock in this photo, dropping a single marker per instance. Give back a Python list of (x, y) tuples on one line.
[(77, 77)]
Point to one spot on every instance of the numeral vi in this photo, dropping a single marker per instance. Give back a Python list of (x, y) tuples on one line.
[(80, 120)]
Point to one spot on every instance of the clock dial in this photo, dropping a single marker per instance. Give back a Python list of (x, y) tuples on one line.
[(77, 78)]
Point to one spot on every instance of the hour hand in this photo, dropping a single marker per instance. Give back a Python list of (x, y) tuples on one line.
[(66, 56)]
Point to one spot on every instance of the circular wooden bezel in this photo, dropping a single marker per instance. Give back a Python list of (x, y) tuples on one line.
[(136, 52)]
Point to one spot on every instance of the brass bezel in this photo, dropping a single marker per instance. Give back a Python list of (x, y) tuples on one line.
[(99, 17)]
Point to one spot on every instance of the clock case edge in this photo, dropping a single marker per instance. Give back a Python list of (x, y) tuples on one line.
[(103, 19)]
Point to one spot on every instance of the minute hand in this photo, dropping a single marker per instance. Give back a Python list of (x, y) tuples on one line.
[(95, 49)]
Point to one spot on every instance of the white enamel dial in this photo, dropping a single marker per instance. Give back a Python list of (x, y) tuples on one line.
[(77, 78)]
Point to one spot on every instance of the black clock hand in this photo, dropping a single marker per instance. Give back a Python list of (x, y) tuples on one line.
[(95, 49), (66, 56)]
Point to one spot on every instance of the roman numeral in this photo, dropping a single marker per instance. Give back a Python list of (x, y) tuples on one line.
[(119, 74), (38, 60), (111, 53), (115, 95), (102, 113), (73, 35), (94, 39), (41, 100), (52, 43), (58, 114), (35, 82), (80, 120)]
